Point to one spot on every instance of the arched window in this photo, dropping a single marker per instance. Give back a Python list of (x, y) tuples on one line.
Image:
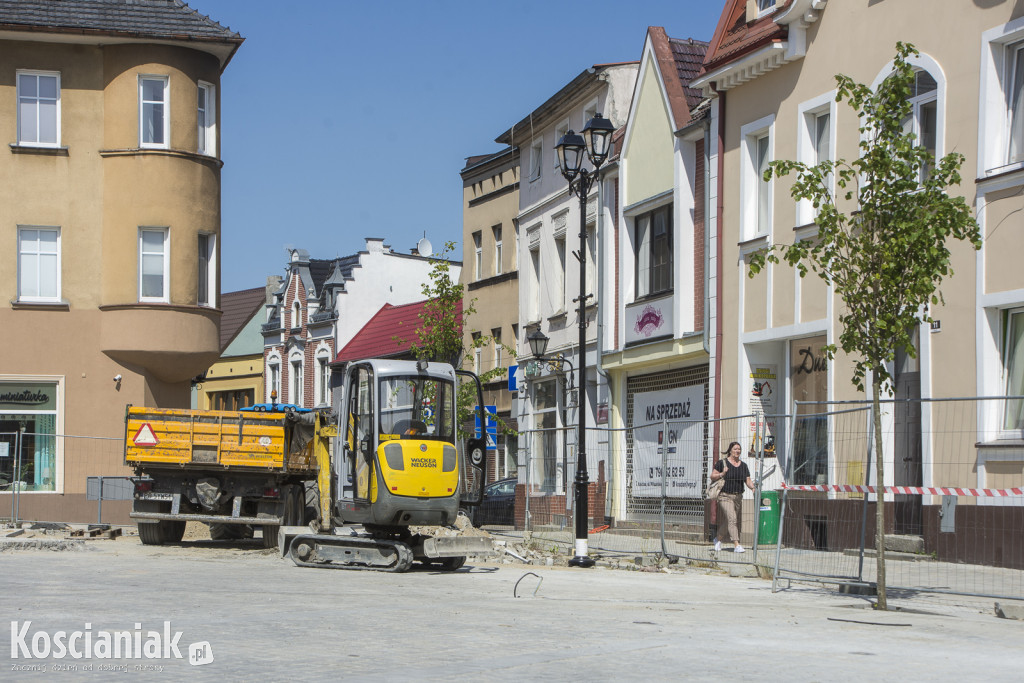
[(323, 377), (295, 383), (923, 118), (273, 377)]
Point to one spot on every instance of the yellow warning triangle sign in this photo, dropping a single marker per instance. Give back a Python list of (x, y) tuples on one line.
[(145, 436)]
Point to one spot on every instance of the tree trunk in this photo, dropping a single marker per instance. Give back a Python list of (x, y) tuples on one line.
[(876, 390)]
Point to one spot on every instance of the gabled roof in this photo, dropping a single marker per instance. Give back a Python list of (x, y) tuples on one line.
[(679, 61), (170, 20), (377, 338), (734, 37), (239, 308)]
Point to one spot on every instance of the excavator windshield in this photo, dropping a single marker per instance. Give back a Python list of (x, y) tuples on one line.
[(417, 407)]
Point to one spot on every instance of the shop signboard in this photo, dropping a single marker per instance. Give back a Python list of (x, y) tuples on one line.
[(668, 442)]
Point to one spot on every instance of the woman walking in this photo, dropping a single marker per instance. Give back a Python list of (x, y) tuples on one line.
[(730, 500)]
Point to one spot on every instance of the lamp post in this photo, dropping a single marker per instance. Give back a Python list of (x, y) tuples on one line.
[(595, 144)]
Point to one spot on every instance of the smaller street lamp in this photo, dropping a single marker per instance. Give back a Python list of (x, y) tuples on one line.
[(538, 343)]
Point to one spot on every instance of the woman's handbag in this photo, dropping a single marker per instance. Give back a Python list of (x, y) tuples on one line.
[(715, 488)]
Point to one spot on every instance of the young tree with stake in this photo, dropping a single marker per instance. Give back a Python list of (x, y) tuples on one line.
[(881, 242)]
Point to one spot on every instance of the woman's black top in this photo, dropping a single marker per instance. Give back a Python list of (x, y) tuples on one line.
[(735, 477)]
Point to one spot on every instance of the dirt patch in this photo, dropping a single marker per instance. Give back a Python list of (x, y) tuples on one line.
[(196, 531)]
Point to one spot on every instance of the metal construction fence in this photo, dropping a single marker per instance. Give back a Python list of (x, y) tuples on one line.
[(81, 467), (953, 495)]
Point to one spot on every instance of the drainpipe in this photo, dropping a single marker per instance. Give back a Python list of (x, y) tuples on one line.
[(598, 366), (719, 225), (599, 251)]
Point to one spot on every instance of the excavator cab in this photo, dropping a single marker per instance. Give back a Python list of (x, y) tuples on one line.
[(401, 461)]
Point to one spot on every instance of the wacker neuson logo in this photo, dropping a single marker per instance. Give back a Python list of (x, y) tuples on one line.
[(102, 644)]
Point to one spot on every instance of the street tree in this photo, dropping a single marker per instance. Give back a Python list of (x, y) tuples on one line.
[(440, 334), (881, 242)]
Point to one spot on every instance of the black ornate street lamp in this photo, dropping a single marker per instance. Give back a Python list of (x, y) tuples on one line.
[(595, 143)]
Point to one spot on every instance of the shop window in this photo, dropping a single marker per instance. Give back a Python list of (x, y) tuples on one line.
[(809, 378), (28, 436)]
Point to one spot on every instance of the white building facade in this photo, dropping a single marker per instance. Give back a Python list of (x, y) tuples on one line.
[(322, 304)]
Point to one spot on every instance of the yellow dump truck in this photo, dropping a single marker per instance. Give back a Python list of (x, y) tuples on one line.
[(231, 469), (341, 490)]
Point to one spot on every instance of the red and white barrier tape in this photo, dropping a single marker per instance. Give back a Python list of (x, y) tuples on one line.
[(913, 490)]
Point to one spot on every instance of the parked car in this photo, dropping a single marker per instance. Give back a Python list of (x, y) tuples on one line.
[(498, 506)]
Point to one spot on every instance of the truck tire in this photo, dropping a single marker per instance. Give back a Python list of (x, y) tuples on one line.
[(270, 535), (312, 503), (172, 531), (152, 533)]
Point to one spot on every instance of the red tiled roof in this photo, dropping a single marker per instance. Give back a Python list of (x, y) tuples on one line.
[(390, 332), (679, 62), (238, 309), (734, 37)]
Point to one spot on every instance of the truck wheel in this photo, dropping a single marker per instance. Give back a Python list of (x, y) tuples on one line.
[(450, 564), (151, 533), (172, 531), (312, 503), (270, 536)]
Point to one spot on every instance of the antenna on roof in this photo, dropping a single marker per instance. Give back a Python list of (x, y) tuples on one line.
[(424, 247)]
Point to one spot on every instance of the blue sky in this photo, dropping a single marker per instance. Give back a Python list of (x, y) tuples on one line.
[(343, 119)]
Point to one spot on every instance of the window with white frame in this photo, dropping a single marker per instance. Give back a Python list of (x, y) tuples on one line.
[(207, 284), (296, 315), (496, 340), (1001, 110), (923, 118), (536, 159), (478, 255), (154, 122), (323, 377), (533, 292), (589, 112), (295, 394), (653, 256), (478, 353), (515, 255), (153, 265), (274, 378), (755, 191), (592, 262), (38, 264), (206, 119), (558, 276), (1013, 370), (765, 5), (815, 144), (496, 231), (39, 108), (560, 130), (547, 466)]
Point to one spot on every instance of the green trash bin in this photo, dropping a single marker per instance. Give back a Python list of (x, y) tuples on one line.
[(771, 515)]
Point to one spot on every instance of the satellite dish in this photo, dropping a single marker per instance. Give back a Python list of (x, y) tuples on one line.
[(424, 247)]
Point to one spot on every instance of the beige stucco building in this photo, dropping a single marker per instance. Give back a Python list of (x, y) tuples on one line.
[(110, 221), (771, 72), (490, 280)]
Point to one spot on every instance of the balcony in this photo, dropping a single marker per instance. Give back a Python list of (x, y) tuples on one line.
[(174, 343)]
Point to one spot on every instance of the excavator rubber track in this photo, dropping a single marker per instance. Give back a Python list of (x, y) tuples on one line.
[(350, 552)]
